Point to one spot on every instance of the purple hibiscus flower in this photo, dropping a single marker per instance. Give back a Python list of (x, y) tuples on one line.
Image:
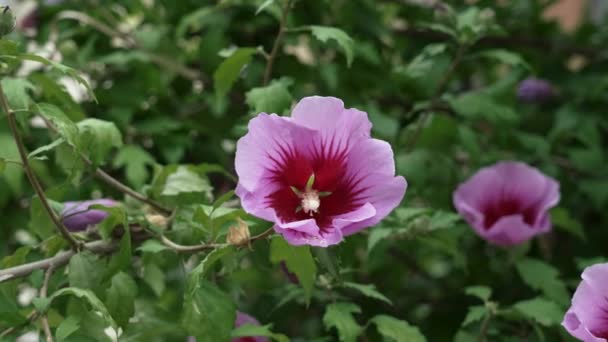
[(586, 319), (507, 203), (77, 216), (318, 175)]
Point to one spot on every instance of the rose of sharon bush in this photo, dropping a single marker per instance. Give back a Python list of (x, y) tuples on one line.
[(77, 216), (318, 175), (587, 318), (507, 203)]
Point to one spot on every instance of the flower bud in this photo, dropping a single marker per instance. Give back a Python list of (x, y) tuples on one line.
[(238, 235)]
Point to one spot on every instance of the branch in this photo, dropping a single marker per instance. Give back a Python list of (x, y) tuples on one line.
[(60, 259), (206, 246), (277, 42), (43, 294), (12, 122), (104, 247)]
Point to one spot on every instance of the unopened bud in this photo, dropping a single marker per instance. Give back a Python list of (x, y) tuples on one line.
[(157, 220), (238, 235)]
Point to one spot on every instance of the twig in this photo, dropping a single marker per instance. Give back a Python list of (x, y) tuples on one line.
[(43, 294), (104, 247), (30, 173), (277, 42), (113, 182), (61, 259), (441, 86), (125, 189), (206, 246)]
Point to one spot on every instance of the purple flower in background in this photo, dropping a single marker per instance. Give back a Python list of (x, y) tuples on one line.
[(77, 217), (317, 175), (507, 203), (587, 319), (534, 90)]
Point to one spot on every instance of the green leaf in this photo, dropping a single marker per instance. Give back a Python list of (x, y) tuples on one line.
[(206, 265), (340, 316), (506, 56), (443, 220), (2, 164), (263, 6), (9, 312), (17, 92), (120, 298), (562, 219), (155, 278), (97, 137), (298, 259), (135, 161), (85, 271), (208, 313), (117, 217), (64, 69), (184, 180), (367, 290), (482, 292), (476, 313), (326, 33), (40, 222), (195, 20), (152, 246), (90, 298), (477, 105), (541, 276), (222, 199), (45, 148), (41, 304), (227, 73), (65, 127), (274, 98), (422, 64), (67, 327), (398, 330), (541, 310), (250, 330)]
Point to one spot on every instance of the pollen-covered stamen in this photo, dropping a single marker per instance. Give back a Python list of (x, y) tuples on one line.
[(311, 202)]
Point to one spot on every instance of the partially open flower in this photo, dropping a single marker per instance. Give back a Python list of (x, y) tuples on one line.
[(318, 175), (587, 319), (507, 203), (77, 216)]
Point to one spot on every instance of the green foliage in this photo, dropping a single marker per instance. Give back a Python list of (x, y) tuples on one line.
[(340, 316), (177, 83), (298, 259)]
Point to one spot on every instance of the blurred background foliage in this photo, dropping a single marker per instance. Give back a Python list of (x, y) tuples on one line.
[(180, 80)]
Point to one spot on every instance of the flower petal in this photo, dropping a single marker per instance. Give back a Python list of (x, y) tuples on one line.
[(307, 232), (574, 326), (339, 127), (269, 138), (509, 230)]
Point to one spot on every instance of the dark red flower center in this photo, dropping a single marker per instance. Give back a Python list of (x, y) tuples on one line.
[(314, 186), (505, 207)]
